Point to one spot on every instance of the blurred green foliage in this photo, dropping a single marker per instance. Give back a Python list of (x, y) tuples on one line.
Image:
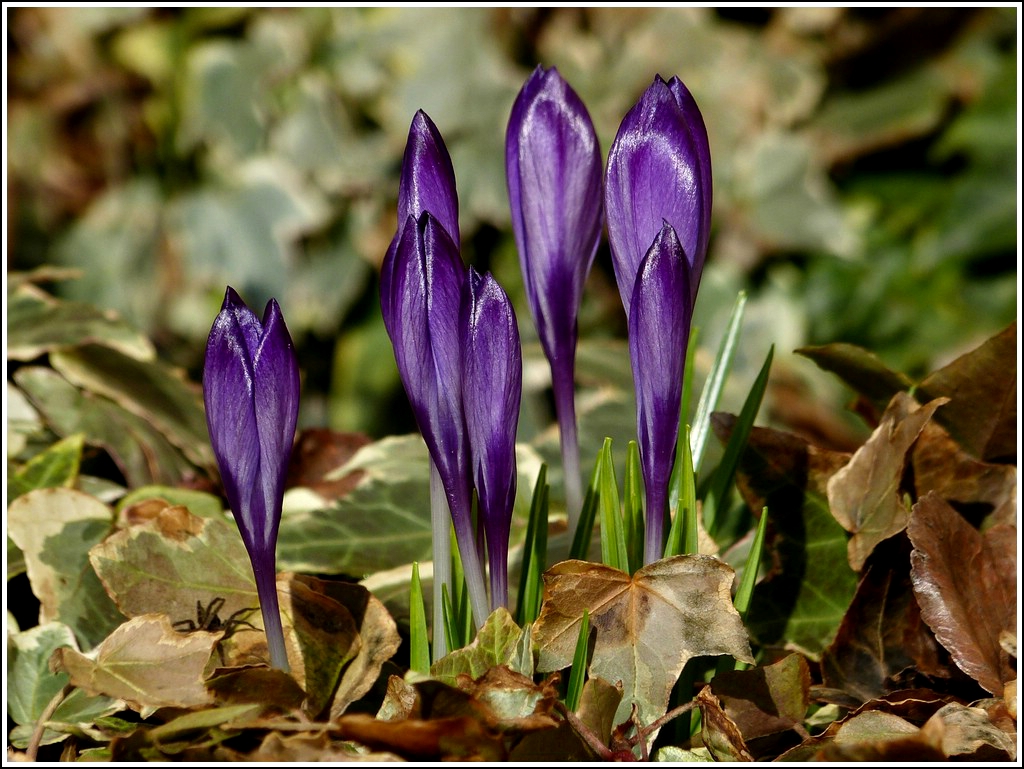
[(865, 173)]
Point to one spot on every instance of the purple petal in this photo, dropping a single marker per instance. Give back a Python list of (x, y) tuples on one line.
[(426, 290), (553, 164), (276, 373), (427, 184), (228, 393), (492, 377), (656, 173), (699, 132), (659, 329), (428, 177)]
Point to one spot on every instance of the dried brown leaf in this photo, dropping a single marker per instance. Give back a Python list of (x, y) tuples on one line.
[(765, 700), (462, 738), (598, 704), (982, 388), (966, 585), (648, 625), (318, 454), (974, 487), (271, 688), (865, 496), (882, 634)]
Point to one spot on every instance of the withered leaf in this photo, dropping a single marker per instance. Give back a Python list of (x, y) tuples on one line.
[(308, 748), (967, 733), (966, 585), (882, 633), (269, 687), (317, 454), (325, 637), (378, 642), (976, 488), (865, 495), (719, 733), (598, 704), (648, 625), (881, 737), (765, 700), (802, 599), (982, 387), (455, 737), (515, 700), (146, 663)]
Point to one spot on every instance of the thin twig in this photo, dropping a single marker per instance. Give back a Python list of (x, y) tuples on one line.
[(48, 711)]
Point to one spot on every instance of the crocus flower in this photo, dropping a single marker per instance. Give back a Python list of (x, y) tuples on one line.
[(553, 164), (423, 302), (492, 390), (659, 329), (659, 168), (251, 391), (427, 184)]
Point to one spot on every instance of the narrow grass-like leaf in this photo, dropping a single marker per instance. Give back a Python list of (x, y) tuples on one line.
[(716, 381), (682, 536), (462, 612), (613, 539), (578, 671), (419, 646), (745, 590), (749, 577), (721, 480), (585, 527), (683, 440), (535, 549), (448, 615), (633, 508)]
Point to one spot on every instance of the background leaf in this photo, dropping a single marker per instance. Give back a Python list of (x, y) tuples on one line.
[(55, 529), (31, 685)]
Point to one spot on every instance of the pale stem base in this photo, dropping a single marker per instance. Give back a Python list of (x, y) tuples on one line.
[(440, 521)]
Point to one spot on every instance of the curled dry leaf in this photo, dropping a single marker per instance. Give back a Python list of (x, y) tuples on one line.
[(719, 733), (648, 625), (966, 585), (865, 495), (146, 663)]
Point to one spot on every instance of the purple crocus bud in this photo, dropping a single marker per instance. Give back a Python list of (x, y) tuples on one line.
[(659, 168), (423, 303), (427, 184), (553, 163), (251, 391), (492, 390), (659, 329)]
